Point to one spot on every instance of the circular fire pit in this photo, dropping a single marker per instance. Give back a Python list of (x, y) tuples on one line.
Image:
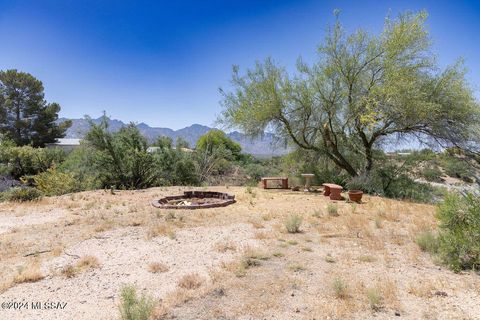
[(195, 200)]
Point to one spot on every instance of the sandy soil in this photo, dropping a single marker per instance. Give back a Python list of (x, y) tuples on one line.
[(368, 248)]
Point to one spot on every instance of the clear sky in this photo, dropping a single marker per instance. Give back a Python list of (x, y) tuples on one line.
[(162, 62)]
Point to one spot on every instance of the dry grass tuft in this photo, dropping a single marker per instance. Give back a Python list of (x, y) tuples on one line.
[(190, 281), (225, 246), (330, 259), (332, 210), (157, 267), (262, 235), (366, 258), (296, 267), (85, 263), (256, 224), (88, 262), (340, 288), (31, 273), (69, 271), (160, 230)]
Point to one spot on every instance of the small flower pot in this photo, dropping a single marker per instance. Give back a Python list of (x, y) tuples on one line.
[(355, 195)]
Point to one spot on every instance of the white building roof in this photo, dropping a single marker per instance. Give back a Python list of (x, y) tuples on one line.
[(67, 142)]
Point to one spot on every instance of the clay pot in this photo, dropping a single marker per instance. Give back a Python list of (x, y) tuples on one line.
[(355, 195)]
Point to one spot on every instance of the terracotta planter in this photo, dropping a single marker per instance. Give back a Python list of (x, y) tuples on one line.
[(355, 195)]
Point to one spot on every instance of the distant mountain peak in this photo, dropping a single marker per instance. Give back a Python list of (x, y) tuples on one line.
[(262, 146)]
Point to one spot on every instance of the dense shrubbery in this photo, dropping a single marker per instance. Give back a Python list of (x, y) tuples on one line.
[(81, 163), (459, 234), (432, 174), (53, 182), (175, 167), (457, 168), (122, 159), (26, 160), (21, 194), (393, 182)]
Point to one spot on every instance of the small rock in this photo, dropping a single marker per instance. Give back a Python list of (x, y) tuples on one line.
[(397, 314), (441, 294)]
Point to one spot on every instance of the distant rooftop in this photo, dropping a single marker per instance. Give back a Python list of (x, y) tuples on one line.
[(66, 142)]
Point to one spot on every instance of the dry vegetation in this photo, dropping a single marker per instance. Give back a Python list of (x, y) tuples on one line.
[(280, 254)]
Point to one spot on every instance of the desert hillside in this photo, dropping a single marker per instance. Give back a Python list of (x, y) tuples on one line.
[(348, 261)]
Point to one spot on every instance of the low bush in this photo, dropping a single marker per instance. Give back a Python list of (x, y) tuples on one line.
[(332, 210), (393, 182), (54, 183), (459, 235), (340, 288), (428, 242), (21, 194), (133, 307), (456, 168), (26, 160), (81, 163), (432, 174), (293, 223), (374, 299), (190, 281)]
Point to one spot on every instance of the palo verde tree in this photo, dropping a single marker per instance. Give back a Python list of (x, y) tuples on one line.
[(363, 89), (25, 117)]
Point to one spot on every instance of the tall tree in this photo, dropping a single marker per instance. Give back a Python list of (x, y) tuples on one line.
[(25, 116), (362, 90)]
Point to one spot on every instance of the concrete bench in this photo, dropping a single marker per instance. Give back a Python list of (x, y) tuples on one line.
[(333, 190), (284, 181)]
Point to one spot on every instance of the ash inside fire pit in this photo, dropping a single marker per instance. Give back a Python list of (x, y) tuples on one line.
[(195, 200)]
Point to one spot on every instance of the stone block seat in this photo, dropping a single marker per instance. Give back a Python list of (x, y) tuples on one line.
[(333, 190), (284, 182)]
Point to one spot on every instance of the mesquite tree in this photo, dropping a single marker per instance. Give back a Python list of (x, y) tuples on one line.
[(362, 89)]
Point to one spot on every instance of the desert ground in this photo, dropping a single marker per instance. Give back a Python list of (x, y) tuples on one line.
[(349, 261)]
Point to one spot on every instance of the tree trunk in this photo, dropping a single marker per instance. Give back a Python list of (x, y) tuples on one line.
[(369, 158)]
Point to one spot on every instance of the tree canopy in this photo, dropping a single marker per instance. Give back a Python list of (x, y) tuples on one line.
[(25, 117), (362, 90), (216, 139)]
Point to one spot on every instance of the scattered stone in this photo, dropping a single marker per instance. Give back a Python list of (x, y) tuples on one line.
[(441, 294)]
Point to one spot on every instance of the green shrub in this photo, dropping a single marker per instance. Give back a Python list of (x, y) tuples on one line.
[(340, 288), (22, 194), (459, 236), (26, 160), (121, 158), (81, 163), (374, 298), (392, 181), (332, 209), (428, 242), (185, 172), (54, 183), (293, 223), (457, 168), (133, 307), (432, 174), (367, 183)]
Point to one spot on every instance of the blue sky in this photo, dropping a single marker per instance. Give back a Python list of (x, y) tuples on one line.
[(162, 62)]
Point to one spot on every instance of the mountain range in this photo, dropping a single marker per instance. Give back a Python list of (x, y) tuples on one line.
[(266, 145)]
